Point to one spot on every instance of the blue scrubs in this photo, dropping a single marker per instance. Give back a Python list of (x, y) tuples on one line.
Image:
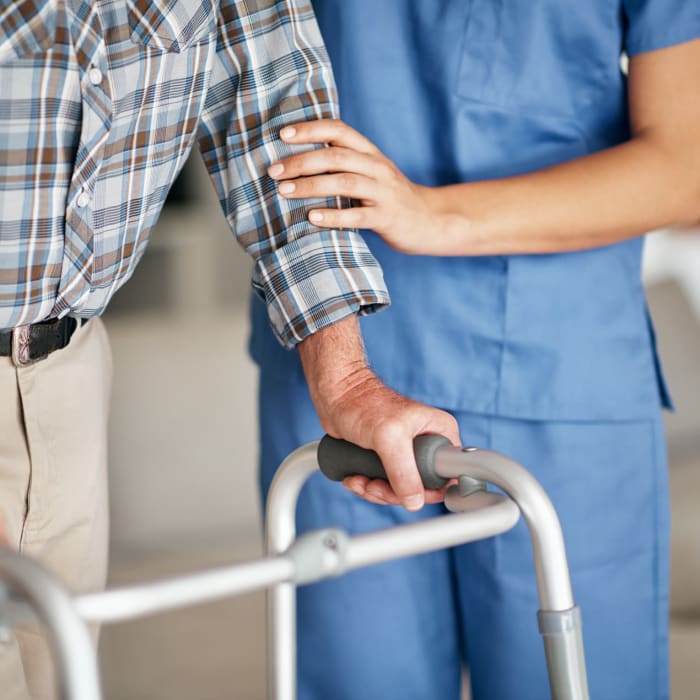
[(548, 358)]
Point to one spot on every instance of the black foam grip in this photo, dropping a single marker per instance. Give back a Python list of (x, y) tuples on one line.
[(338, 459)]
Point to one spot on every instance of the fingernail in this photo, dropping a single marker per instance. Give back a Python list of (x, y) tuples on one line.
[(287, 187), (275, 170), (413, 503), (316, 217), (289, 132)]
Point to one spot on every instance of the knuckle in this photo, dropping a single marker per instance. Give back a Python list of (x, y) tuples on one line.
[(348, 183), (389, 431), (337, 157), (386, 170)]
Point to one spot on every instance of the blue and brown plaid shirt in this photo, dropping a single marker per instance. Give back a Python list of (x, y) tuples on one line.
[(100, 103)]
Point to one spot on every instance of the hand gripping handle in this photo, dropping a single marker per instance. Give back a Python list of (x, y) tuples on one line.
[(338, 459)]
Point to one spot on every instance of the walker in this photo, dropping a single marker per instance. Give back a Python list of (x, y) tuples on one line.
[(29, 594)]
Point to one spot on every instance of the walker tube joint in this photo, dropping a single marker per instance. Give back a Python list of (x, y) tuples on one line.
[(561, 631), (319, 554)]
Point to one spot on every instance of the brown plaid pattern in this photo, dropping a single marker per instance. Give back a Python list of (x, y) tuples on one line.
[(100, 104)]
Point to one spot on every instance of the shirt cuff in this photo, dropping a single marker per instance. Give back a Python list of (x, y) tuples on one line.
[(318, 280)]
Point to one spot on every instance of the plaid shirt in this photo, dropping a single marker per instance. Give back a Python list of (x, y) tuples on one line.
[(100, 103)]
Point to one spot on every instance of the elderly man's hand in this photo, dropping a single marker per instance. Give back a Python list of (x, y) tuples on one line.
[(355, 405)]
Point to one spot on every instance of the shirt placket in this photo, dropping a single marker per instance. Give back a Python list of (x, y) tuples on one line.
[(97, 108)]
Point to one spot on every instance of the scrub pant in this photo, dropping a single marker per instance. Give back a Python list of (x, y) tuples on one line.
[(402, 630)]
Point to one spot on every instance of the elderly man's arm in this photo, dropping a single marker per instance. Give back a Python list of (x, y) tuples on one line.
[(271, 70), (352, 403)]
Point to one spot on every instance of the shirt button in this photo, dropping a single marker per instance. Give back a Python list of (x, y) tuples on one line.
[(83, 199), (95, 76)]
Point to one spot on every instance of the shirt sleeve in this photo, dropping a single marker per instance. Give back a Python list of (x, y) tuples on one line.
[(270, 70), (657, 24)]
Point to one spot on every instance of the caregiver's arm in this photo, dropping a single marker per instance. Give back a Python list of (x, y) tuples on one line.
[(651, 181)]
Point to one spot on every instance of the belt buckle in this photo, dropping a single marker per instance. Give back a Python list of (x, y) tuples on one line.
[(21, 336)]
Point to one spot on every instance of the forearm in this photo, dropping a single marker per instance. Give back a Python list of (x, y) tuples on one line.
[(585, 203), (334, 364), (353, 404)]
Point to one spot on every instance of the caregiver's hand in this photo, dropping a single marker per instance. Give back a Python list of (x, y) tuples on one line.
[(399, 210)]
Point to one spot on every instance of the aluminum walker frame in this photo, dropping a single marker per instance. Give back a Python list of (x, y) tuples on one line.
[(28, 593)]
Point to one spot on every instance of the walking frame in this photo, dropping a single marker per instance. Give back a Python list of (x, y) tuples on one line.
[(28, 594)]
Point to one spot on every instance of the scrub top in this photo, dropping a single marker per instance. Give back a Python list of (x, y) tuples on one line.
[(464, 90)]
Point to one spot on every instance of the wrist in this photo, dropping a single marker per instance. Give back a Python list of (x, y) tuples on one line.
[(460, 228), (334, 364)]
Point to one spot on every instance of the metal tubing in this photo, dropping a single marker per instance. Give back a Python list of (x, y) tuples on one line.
[(487, 515), (484, 514), (75, 655), (563, 643), (429, 535), (551, 566), (280, 531), (129, 602)]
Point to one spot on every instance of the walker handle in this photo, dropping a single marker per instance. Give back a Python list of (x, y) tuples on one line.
[(338, 459)]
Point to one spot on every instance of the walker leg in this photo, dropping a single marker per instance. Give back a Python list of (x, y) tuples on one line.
[(563, 645)]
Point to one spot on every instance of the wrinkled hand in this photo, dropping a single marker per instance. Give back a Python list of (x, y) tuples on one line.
[(355, 405), (375, 417), (403, 213)]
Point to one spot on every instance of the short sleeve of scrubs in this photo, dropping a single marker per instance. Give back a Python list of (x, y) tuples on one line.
[(656, 24)]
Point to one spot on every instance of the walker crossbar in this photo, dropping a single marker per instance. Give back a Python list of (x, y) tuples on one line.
[(29, 593)]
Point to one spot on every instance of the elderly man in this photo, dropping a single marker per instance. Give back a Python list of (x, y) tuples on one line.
[(100, 105)]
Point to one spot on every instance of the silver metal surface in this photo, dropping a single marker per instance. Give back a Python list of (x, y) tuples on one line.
[(492, 517), (483, 515), (280, 531), (5, 623), (318, 554), (563, 643), (129, 602), (551, 566), (478, 514), (75, 655), (20, 346)]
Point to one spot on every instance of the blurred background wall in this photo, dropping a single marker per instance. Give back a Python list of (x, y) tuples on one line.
[(183, 451)]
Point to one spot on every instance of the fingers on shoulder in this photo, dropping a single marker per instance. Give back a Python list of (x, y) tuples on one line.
[(334, 131)]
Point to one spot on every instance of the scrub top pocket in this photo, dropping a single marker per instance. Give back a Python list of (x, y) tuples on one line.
[(544, 56)]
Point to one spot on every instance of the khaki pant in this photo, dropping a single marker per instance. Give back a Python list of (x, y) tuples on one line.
[(53, 484)]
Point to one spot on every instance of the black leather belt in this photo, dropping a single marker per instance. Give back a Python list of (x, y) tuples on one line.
[(29, 344)]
